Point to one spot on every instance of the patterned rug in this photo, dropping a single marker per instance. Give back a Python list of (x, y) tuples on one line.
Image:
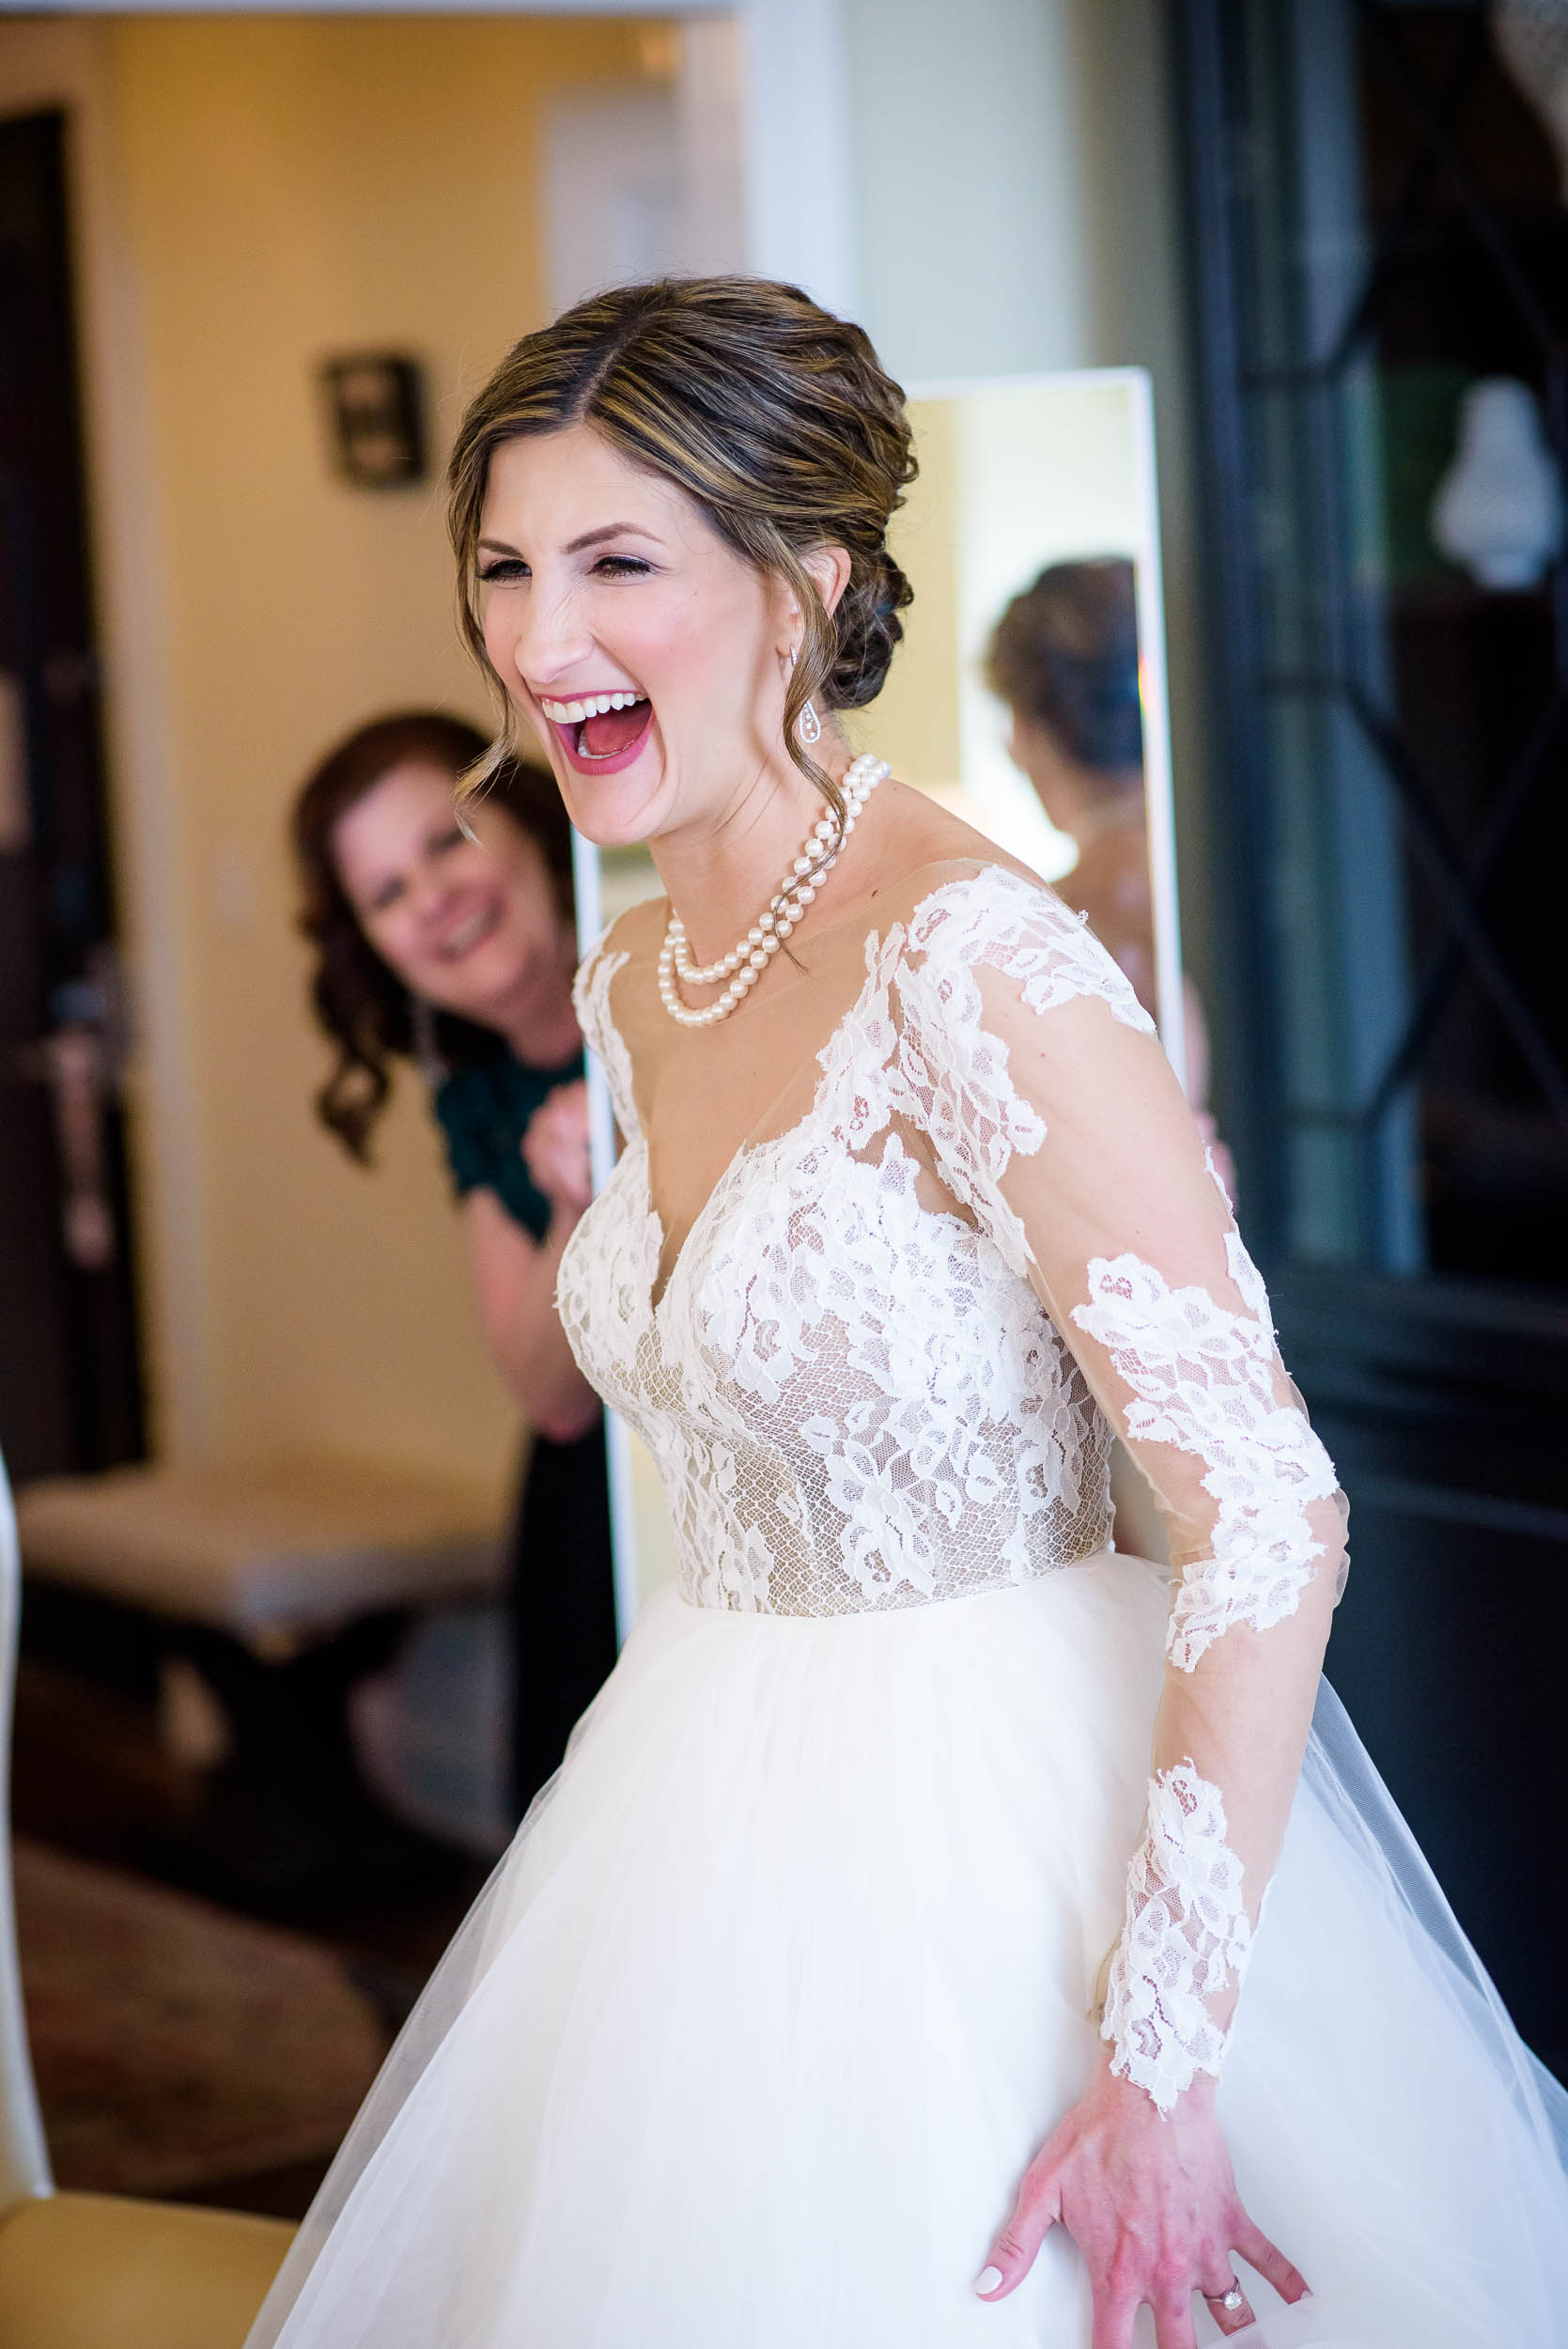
[(175, 2044)]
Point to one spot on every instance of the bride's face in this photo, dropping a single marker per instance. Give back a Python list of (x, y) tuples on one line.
[(651, 660)]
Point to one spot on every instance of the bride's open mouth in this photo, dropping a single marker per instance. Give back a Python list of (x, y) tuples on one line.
[(600, 733)]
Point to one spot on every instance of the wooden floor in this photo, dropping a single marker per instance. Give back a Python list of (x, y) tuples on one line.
[(91, 1780)]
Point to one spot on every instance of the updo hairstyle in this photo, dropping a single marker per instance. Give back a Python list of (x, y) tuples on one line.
[(1065, 653), (773, 415), (360, 1003)]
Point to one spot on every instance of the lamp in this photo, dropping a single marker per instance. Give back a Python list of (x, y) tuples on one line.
[(1498, 508)]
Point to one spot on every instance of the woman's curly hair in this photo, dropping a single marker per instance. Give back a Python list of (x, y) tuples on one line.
[(775, 416), (361, 1004)]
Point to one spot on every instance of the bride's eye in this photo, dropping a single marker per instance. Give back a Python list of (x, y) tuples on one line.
[(622, 567), (503, 571)]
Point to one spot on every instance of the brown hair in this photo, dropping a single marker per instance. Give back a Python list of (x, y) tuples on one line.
[(1065, 653), (773, 415), (360, 1003)]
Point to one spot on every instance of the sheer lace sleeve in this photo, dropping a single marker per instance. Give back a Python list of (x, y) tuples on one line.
[(1056, 1119), (591, 1000)]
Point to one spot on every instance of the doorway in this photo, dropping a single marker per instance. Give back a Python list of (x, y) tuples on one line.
[(69, 1378)]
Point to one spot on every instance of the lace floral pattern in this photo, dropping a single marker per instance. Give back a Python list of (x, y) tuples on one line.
[(1185, 1940), (856, 1399), (951, 1071), (852, 1401), (1208, 1382)]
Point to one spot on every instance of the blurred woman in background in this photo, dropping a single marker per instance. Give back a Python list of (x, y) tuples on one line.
[(1064, 658), (458, 953)]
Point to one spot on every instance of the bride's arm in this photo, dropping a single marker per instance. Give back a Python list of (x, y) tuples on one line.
[(1058, 1121)]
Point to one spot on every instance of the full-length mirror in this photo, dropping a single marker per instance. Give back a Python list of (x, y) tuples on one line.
[(1029, 696)]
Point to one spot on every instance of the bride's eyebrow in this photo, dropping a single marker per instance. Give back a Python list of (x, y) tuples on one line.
[(588, 538), (610, 530)]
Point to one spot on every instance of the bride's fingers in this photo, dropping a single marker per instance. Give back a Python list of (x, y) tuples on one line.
[(1115, 2314), (1173, 2327), (1228, 2319), (1270, 2260), (1013, 2253)]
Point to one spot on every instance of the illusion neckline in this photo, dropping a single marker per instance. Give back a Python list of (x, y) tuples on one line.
[(749, 1145)]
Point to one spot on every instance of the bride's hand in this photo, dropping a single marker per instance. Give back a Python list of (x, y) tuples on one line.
[(1153, 2206)]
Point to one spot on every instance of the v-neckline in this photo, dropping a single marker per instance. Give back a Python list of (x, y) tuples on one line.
[(749, 1146), (873, 948), (659, 1290)]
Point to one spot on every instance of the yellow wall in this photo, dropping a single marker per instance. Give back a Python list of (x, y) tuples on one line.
[(913, 722), (285, 188)]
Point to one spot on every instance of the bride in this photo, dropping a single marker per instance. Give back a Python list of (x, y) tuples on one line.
[(870, 1976)]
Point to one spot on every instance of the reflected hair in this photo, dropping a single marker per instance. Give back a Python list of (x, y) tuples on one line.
[(1065, 653), (360, 1003), (775, 418)]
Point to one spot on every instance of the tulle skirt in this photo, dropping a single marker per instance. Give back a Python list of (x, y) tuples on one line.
[(787, 1977)]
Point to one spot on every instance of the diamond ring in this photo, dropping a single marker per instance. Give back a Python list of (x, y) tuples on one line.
[(1229, 2300)]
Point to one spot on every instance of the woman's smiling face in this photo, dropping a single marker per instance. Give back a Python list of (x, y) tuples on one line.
[(472, 924), (650, 658)]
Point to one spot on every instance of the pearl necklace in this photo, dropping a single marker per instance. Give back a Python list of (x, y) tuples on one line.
[(751, 956)]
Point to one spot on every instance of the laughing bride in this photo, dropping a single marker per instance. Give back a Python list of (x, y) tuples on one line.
[(871, 1975)]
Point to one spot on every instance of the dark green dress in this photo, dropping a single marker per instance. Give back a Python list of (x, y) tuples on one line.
[(484, 1111), (561, 1587)]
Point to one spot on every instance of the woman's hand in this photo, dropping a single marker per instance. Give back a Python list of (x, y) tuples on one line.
[(556, 1148), (1151, 2203)]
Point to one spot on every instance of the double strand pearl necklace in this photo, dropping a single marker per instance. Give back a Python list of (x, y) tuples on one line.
[(751, 956)]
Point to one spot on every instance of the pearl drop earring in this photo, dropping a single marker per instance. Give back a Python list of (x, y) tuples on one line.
[(808, 726)]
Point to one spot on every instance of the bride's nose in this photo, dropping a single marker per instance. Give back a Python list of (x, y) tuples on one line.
[(551, 643)]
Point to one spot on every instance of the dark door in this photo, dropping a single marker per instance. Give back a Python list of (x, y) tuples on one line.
[(70, 1394), (1381, 265)]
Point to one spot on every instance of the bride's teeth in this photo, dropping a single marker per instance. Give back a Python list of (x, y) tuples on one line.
[(591, 705)]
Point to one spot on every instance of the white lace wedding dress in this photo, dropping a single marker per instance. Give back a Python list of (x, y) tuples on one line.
[(791, 1970)]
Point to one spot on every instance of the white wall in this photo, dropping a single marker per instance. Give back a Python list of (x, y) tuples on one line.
[(966, 131)]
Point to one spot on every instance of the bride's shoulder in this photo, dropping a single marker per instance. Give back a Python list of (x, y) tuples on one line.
[(954, 917), (633, 934), (602, 1004), (927, 854), (973, 906)]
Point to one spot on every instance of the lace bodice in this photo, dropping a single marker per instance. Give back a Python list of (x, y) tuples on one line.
[(887, 1361), (854, 1402)]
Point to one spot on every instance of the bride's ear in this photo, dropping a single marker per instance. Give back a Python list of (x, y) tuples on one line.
[(829, 568)]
